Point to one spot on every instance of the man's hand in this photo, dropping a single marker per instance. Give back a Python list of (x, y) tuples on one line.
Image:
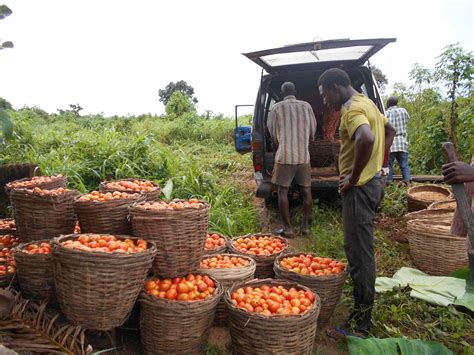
[(345, 183), (458, 172)]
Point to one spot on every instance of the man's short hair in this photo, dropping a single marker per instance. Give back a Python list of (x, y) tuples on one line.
[(392, 101), (334, 76)]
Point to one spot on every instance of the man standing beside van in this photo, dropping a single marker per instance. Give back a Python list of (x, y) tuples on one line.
[(398, 118), (366, 137), (291, 124)]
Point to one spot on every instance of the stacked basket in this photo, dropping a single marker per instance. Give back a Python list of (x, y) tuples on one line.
[(98, 290), (7, 262), (327, 287), (41, 215), (227, 277), (179, 234), (434, 249), (264, 262), (254, 333), (34, 272), (421, 196), (151, 191), (42, 182)]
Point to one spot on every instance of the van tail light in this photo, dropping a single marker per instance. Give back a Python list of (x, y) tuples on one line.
[(256, 145), (258, 162), (258, 167)]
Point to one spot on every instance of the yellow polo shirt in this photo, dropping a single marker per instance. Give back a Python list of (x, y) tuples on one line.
[(361, 111)]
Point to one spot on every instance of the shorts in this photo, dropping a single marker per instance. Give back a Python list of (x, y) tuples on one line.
[(285, 174)]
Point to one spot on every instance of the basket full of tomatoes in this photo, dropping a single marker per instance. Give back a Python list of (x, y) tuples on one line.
[(98, 277), (7, 267), (150, 189), (106, 212), (179, 228), (268, 316), (216, 243), (325, 276), (7, 226), (176, 314), (43, 182), (43, 213), (263, 248), (227, 269), (35, 270)]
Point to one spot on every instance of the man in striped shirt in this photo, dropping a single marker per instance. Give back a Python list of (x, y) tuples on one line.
[(291, 123), (398, 118)]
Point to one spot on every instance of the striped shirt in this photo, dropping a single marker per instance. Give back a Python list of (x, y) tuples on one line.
[(398, 118), (291, 123)]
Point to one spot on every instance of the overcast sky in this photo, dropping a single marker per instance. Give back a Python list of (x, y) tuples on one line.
[(114, 56)]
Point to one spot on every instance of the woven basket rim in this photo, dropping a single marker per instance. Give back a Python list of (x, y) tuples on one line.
[(56, 176), (137, 208), (76, 200), (426, 224), (103, 185), (273, 317), (427, 188), (164, 302), (422, 214), (56, 244), (433, 205), (258, 256), (279, 258)]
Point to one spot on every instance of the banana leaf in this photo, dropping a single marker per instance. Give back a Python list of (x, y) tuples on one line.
[(395, 346)]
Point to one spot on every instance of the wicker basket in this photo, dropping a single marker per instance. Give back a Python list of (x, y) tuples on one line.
[(421, 196), (42, 217), (35, 273), (152, 195), (97, 290), (328, 288), (433, 249), (253, 333), (264, 262), (176, 327), (227, 277), (322, 153), (179, 235), (448, 204), (105, 216), (56, 182), (435, 215), (8, 229), (220, 250)]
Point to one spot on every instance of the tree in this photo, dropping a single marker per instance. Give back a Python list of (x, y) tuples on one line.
[(380, 78), (5, 104), (420, 75), (181, 86), (179, 104), (4, 12), (74, 109), (455, 70)]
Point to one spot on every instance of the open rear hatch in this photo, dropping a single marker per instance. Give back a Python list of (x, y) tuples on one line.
[(318, 55)]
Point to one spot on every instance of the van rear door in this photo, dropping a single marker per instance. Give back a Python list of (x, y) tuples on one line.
[(318, 55)]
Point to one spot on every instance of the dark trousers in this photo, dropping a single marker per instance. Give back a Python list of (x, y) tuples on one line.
[(402, 159), (359, 206)]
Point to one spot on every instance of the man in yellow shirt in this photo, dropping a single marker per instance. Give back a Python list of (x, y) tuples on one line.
[(366, 137)]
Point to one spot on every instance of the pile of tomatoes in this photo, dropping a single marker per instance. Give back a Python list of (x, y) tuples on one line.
[(106, 243), (34, 181), (213, 241), (312, 265), (223, 262), (8, 241), (189, 288), (7, 262), (135, 185), (268, 300), (41, 248), (107, 196), (259, 245), (172, 205), (7, 223)]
